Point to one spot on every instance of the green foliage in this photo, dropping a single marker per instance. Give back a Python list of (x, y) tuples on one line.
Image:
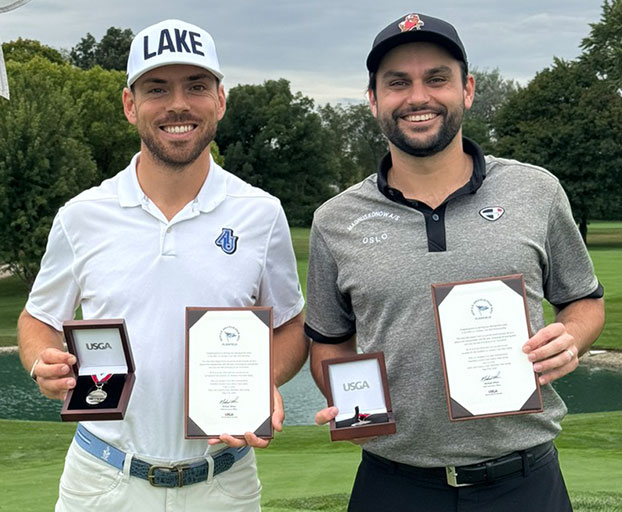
[(569, 121), (110, 53), (603, 47), (273, 139), (492, 91), (23, 50), (112, 140), (44, 160), (355, 144), (215, 151), (83, 54)]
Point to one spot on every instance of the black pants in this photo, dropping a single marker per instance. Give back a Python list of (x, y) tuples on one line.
[(384, 486)]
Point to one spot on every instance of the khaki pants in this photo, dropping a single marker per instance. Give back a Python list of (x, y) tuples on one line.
[(89, 484)]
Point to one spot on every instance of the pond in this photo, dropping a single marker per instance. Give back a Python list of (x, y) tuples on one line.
[(587, 389)]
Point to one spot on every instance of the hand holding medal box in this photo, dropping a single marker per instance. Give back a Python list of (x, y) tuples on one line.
[(359, 388), (104, 370)]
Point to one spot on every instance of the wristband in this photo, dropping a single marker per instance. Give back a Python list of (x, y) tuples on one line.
[(32, 370)]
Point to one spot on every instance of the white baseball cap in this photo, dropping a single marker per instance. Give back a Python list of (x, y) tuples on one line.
[(171, 42)]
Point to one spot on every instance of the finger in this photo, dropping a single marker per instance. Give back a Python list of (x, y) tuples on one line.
[(543, 336), (52, 371), (55, 356), (555, 347), (548, 377), (254, 441), (278, 416), (56, 388), (232, 441), (562, 358), (325, 415)]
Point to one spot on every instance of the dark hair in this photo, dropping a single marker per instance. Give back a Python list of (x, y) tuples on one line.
[(371, 85)]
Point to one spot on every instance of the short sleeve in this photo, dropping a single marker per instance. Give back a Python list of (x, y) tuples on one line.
[(55, 294), (329, 317), (569, 273), (280, 286)]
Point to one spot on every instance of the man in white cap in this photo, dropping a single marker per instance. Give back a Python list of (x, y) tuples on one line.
[(172, 230)]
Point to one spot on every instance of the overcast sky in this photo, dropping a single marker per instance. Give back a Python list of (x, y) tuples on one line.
[(321, 46)]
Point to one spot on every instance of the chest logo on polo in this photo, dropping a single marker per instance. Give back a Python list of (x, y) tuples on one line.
[(492, 213), (227, 241)]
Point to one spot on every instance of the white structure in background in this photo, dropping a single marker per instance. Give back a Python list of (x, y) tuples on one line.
[(6, 6)]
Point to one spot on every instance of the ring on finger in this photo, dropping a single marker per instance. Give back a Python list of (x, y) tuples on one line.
[(571, 353)]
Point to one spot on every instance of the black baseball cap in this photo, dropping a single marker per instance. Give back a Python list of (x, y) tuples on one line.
[(413, 28)]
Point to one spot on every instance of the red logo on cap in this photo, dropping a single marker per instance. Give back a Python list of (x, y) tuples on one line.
[(411, 22)]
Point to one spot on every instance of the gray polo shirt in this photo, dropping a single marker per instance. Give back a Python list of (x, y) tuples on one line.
[(373, 257)]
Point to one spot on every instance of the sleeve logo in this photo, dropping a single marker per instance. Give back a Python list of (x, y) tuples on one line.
[(227, 241)]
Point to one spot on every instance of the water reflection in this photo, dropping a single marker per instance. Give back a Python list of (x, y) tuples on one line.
[(585, 390)]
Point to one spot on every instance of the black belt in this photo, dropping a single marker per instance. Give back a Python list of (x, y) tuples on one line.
[(515, 463)]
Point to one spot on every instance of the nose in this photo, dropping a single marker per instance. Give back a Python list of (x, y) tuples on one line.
[(178, 100), (418, 94)]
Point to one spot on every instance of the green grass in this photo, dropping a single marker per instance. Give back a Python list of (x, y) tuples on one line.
[(303, 471), (13, 295)]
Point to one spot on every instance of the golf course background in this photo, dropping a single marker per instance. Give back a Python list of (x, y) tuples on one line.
[(302, 470)]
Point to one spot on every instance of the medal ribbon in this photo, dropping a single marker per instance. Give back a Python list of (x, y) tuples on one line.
[(101, 378)]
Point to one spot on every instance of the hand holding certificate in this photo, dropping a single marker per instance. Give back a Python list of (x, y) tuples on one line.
[(482, 326)]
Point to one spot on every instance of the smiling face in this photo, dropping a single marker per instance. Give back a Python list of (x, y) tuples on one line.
[(176, 110), (420, 98)]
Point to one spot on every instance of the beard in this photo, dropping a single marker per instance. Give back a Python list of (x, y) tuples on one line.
[(450, 126), (177, 155)]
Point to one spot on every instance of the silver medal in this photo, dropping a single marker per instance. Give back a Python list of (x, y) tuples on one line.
[(97, 396)]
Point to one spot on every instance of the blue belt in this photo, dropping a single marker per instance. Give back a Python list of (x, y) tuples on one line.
[(159, 476)]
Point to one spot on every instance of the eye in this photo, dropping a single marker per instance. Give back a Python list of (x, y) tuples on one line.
[(437, 80), (398, 83), (156, 90), (198, 87)]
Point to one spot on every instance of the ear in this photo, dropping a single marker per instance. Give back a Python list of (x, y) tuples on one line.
[(129, 105), (469, 92), (373, 102), (222, 101)]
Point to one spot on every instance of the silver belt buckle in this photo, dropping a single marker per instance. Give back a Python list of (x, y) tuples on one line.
[(452, 477)]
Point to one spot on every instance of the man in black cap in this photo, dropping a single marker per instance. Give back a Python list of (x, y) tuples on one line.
[(439, 211)]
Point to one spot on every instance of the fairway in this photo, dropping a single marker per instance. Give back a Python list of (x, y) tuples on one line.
[(303, 471)]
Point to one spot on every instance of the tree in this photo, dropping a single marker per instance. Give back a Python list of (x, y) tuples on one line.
[(83, 54), (111, 138), (110, 53), (44, 160), (273, 139), (492, 91), (602, 49), (23, 50), (114, 48), (356, 144), (570, 122)]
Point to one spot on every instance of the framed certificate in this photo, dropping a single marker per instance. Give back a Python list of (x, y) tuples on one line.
[(229, 379), (104, 370), (482, 326), (358, 387)]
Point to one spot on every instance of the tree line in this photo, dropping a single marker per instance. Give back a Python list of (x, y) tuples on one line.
[(64, 131)]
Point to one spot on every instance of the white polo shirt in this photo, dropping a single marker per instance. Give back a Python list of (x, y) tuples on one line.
[(113, 252)]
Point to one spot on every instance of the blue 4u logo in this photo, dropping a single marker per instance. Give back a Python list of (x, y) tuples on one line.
[(227, 241)]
